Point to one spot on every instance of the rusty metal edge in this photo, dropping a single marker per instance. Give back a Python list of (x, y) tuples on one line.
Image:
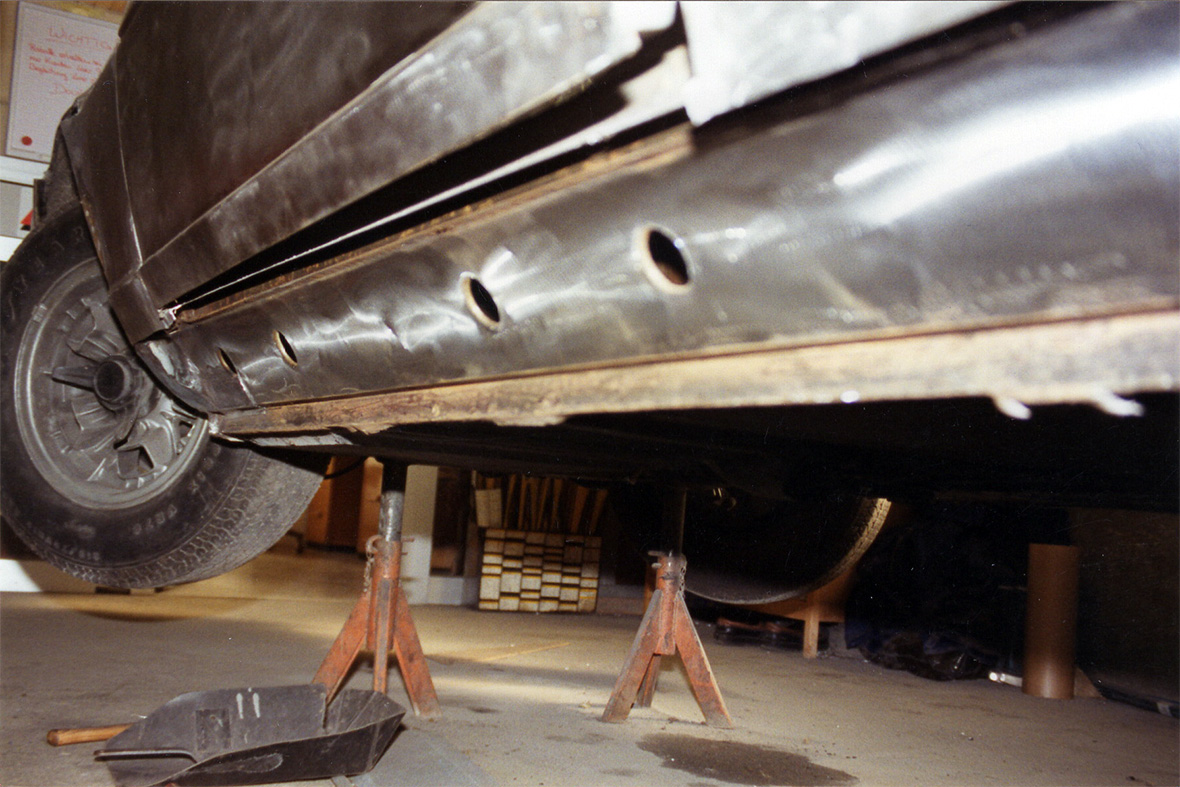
[(1090, 361)]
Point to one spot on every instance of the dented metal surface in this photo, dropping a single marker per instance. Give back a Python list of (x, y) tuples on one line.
[(257, 150), (495, 64), (999, 188), (653, 94)]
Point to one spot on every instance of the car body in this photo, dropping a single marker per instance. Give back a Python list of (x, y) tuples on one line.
[(896, 248)]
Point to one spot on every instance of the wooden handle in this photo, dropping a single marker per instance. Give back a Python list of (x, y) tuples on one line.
[(70, 735)]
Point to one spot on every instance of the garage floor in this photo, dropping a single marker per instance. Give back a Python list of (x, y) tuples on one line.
[(522, 694)]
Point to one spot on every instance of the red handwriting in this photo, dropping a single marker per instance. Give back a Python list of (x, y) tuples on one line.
[(47, 71), (68, 73), (74, 39)]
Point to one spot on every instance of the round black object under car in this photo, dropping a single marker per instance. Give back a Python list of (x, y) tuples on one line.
[(106, 476)]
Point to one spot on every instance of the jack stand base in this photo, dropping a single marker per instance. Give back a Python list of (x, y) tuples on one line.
[(667, 629), (381, 621)]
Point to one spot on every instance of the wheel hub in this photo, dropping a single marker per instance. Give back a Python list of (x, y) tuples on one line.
[(97, 427), (116, 383)]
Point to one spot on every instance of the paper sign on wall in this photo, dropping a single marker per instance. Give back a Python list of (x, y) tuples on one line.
[(57, 56)]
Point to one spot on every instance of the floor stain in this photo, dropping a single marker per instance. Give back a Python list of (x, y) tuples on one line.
[(626, 773), (593, 739), (741, 763), (973, 708)]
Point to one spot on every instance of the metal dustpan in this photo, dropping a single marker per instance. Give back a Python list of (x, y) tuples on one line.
[(254, 736)]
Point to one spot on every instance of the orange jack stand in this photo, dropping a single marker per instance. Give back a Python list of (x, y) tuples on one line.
[(666, 629), (380, 620)]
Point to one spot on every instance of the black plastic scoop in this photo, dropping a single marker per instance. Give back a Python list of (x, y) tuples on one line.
[(254, 736)]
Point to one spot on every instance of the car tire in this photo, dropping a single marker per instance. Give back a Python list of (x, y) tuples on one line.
[(105, 475)]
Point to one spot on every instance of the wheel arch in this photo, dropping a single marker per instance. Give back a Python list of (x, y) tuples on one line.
[(66, 231), (215, 503)]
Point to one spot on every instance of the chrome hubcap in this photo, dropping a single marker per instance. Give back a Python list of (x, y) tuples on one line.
[(96, 426)]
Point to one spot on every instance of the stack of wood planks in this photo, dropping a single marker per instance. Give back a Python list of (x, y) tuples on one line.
[(540, 548)]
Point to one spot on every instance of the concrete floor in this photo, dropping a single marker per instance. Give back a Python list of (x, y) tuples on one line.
[(522, 693)]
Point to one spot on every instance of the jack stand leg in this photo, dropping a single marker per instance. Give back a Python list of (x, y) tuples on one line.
[(651, 680), (666, 630), (381, 618)]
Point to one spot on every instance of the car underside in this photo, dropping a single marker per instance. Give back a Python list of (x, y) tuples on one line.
[(868, 251)]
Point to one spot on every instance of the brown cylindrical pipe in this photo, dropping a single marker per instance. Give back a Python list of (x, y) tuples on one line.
[(1051, 621)]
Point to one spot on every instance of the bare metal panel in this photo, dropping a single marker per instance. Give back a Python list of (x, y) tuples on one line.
[(654, 93), (743, 52), (495, 64), (210, 93), (244, 121), (1033, 181)]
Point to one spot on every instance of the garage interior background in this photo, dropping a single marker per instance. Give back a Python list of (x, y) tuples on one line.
[(1129, 613), (17, 174)]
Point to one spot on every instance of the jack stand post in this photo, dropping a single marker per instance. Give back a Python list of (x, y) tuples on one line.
[(381, 620), (667, 629)]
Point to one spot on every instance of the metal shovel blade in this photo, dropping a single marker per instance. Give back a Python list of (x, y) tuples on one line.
[(254, 736)]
